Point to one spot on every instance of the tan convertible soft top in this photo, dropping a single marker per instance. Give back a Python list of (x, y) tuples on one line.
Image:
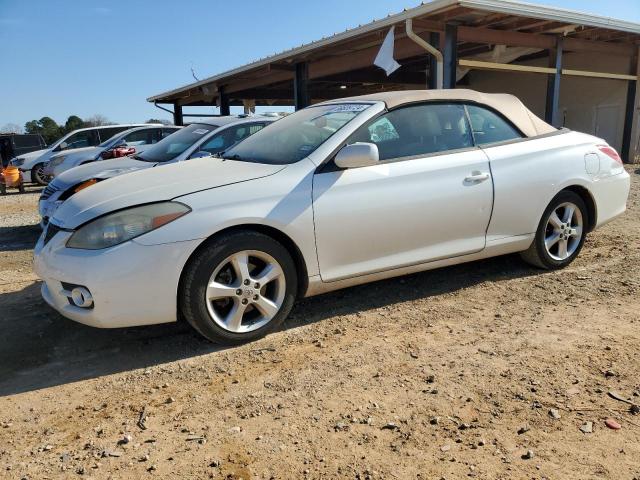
[(508, 105)]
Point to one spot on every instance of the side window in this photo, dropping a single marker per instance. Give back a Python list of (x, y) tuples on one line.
[(417, 130), (86, 138), (107, 133), (245, 131), (139, 137), (165, 132), (489, 127), (229, 137), (382, 130), (214, 145)]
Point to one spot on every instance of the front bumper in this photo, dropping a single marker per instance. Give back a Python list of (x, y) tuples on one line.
[(131, 284), (26, 175)]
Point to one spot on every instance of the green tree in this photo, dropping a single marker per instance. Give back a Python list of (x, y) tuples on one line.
[(157, 120), (73, 123), (96, 120), (51, 131), (47, 127), (32, 127)]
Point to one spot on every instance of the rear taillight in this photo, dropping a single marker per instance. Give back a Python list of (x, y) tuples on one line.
[(610, 152)]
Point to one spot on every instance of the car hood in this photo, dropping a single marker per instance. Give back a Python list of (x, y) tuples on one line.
[(101, 170), (32, 155), (155, 185), (79, 153)]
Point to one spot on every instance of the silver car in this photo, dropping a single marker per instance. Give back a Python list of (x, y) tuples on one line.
[(202, 139), (134, 140)]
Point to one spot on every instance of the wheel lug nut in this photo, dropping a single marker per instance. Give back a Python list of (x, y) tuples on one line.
[(257, 285), (238, 292), (255, 297), (246, 282), (245, 301)]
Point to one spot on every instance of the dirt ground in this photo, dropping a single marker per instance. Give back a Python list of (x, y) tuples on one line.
[(486, 370)]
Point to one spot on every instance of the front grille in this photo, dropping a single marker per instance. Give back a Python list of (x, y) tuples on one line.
[(51, 232), (48, 191)]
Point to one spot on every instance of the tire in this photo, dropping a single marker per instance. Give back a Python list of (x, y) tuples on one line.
[(214, 312), (569, 234), (38, 176)]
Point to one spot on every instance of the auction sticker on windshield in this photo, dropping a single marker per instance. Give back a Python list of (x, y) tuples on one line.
[(350, 107)]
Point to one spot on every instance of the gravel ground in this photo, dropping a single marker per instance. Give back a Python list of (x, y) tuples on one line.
[(486, 370)]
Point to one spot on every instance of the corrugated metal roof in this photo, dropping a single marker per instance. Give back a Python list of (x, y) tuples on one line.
[(491, 6)]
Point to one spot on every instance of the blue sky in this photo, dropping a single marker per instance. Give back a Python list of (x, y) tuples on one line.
[(86, 57)]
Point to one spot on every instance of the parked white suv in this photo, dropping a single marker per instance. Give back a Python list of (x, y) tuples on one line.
[(32, 164), (133, 141)]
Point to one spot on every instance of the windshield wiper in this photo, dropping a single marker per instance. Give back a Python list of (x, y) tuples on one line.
[(233, 157), (142, 159)]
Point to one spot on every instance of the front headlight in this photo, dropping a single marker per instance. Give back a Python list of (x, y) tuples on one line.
[(17, 162), (119, 227)]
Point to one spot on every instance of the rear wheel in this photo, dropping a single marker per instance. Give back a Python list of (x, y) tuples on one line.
[(38, 176), (561, 233), (239, 288)]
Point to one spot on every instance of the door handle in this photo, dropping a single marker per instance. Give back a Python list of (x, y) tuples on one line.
[(477, 177)]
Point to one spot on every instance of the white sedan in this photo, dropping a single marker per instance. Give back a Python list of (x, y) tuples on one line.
[(338, 194)]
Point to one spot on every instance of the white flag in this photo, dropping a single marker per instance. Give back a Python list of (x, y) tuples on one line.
[(385, 59)]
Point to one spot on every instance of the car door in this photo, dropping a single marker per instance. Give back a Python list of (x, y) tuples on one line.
[(429, 197)]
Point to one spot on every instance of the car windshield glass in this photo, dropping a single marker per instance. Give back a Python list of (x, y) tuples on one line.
[(110, 140), (295, 136), (170, 147)]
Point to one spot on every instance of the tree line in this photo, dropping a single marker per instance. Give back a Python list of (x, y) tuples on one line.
[(51, 131)]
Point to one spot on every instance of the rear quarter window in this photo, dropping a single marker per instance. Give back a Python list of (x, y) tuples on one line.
[(490, 127)]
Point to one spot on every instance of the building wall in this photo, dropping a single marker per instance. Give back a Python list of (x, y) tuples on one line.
[(590, 105)]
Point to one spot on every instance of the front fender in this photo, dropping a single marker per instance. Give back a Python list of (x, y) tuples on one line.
[(282, 201)]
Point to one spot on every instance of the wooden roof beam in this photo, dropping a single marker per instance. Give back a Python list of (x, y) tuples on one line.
[(491, 19), (521, 39), (451, 14)]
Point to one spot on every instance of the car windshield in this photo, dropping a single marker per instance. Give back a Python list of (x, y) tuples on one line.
[(110, 140), (176, 143), (295, 136)]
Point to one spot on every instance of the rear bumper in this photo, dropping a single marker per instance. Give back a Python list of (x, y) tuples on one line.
[(611, 194)]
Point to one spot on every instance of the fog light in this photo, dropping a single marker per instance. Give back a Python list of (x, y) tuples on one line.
[(77, 295), (81, 297)]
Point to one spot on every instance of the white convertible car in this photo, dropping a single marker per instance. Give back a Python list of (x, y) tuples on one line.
[(338, 194)]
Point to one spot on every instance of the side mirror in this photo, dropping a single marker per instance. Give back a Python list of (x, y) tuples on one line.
[(63, 146), (200, 154), (358, 155)]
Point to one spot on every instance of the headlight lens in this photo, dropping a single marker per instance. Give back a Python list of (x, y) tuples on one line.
[(17, 162), (119, 227)]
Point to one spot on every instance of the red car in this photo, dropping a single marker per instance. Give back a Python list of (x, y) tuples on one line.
[(117, 152)]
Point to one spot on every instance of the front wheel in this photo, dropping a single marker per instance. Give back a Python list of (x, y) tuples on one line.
[(238, 288), (561, 233), (38, 176)]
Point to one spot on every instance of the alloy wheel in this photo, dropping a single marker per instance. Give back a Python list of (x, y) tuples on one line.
[(564, 231), (39, 176), (245, 291)]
